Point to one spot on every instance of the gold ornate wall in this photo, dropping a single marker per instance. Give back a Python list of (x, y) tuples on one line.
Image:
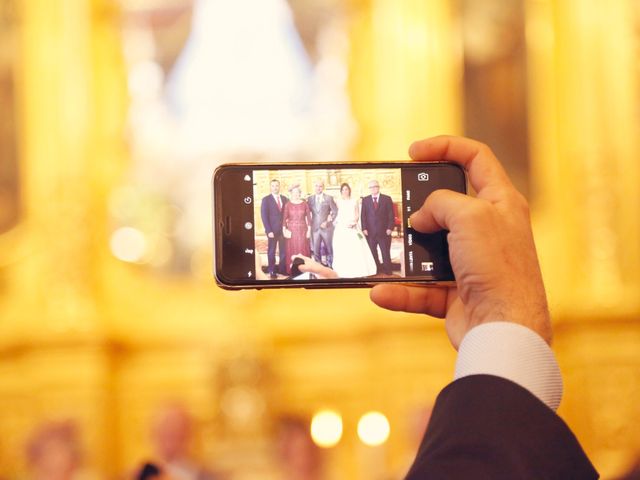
[(85, 336), (406, 74), (56, 358), (583, 104)]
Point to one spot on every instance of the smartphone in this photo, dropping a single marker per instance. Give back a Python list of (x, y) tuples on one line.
[(351, 217)]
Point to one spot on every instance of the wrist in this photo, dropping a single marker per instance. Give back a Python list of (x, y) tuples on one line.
[(514, 352), (532, 314)]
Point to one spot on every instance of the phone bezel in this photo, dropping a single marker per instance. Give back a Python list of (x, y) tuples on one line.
[(365, 282)]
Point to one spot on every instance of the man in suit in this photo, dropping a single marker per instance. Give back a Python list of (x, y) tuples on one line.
[(271, 212), (323, 212), (497, 419), (377, 223)]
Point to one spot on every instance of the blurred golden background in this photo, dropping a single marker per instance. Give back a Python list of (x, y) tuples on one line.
[(116, 347)]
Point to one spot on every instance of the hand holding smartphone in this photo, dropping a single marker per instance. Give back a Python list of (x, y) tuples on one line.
[(350, 219), (493, 252)]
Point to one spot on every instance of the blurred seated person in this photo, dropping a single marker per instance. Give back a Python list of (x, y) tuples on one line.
[(497, 419), (150, 471), (633, 473), (300, 458), (171, 435), (53, 452)]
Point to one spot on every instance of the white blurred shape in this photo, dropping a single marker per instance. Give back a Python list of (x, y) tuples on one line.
[(128, 244), (243, 79), (373, 429), (145, 80), (326, 428)]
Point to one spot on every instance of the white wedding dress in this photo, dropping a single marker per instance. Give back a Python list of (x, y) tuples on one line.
[(351, 254)]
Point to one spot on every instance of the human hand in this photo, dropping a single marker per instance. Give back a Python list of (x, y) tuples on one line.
[(366, 234), (259, 275), (323, 225), (270, 235), (388, 232), (491, 248), (311, 266), (308, 233)]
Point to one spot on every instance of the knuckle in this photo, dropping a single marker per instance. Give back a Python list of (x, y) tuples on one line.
[(524, 204), (433, 199), (436, 195), (477, 211), (481, 208), (485, 149), (518, 201)]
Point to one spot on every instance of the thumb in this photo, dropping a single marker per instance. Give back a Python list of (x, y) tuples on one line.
[(439, 210)]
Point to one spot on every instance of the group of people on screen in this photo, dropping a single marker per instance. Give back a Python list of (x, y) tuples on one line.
[(341, 233)]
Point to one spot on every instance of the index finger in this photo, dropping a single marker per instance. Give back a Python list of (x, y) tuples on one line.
[(485, 171)]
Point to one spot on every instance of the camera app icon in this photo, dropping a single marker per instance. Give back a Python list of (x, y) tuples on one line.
[(423, 177)]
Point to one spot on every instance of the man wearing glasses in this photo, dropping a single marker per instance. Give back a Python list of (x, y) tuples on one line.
[(377, 223)]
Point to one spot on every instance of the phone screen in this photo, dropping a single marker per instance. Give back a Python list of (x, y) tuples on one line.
[(352, 218)]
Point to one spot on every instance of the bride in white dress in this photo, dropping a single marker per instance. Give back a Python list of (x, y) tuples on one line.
[(351, 253)]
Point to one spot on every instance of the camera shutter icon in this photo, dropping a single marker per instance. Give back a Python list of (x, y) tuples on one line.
[(423, 177)]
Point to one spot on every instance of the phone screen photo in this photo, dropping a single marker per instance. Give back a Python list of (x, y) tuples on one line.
[(352, 218)]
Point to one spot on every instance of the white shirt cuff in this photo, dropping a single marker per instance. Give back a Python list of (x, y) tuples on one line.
[(513, 352)]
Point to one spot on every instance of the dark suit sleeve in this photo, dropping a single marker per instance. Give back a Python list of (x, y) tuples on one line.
[(486, 427), (364, 214), (264, 213), (389, 213), (285, 215)]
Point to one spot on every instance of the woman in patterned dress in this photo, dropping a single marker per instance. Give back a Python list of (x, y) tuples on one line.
[(296, 225)]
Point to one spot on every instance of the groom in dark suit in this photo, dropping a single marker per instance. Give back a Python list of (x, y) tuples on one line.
[(271, 211), (377, 223)]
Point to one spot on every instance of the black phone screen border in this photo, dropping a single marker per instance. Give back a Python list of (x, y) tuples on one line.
[(236, 203)]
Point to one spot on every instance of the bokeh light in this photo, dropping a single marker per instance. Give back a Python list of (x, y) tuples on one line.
[(373, 429), (128, 244), (326, 428)]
